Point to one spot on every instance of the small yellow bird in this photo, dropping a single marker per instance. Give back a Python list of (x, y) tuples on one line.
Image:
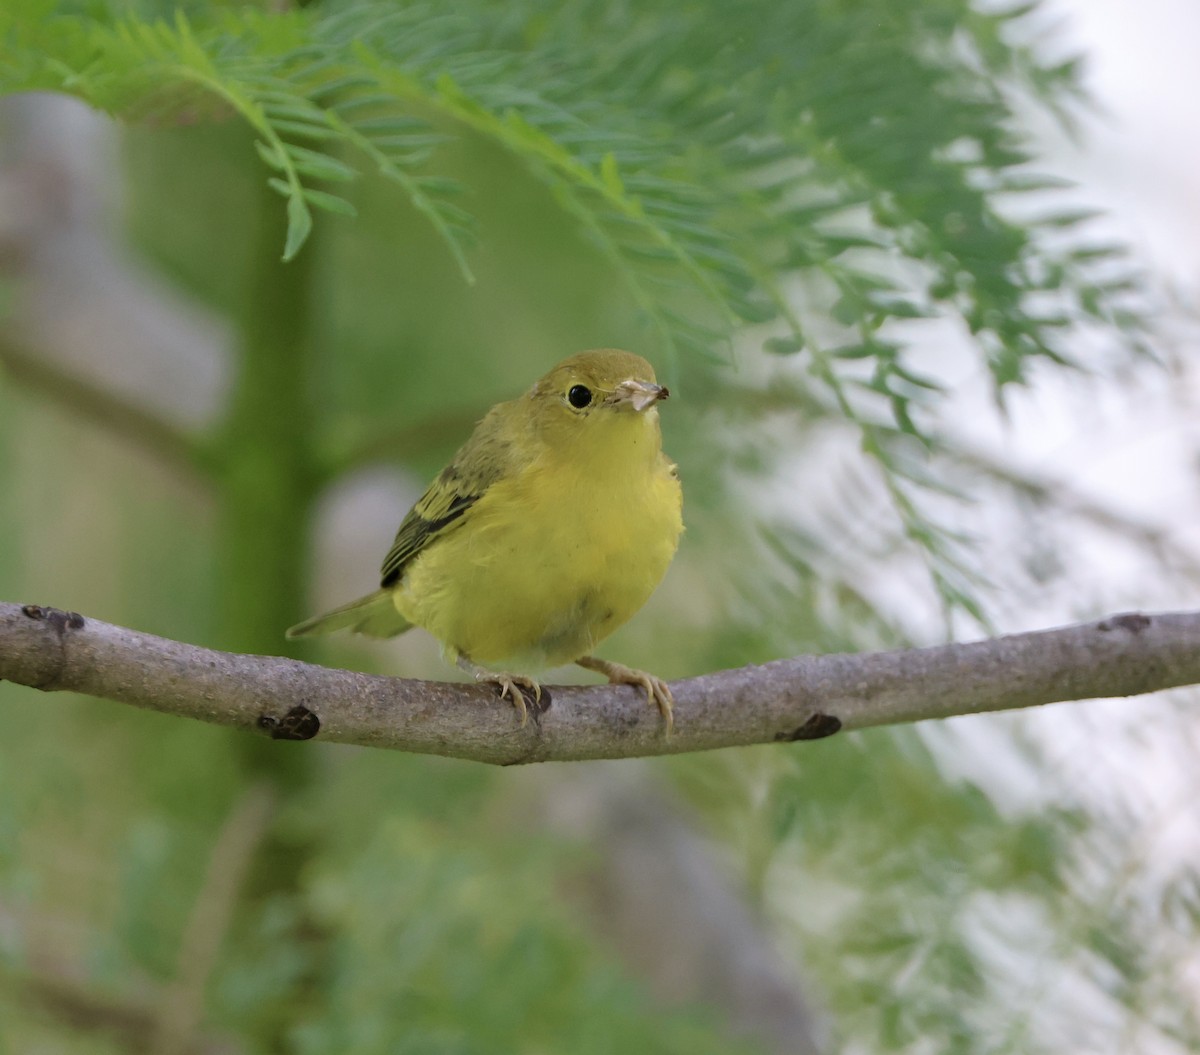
[(552, 525)]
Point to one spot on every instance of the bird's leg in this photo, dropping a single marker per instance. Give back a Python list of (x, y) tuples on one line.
[(657, 690), (510, 685)]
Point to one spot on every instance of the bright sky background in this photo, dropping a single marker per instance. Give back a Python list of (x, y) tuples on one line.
[(1139, 157), (1135, 449), (1145, 156)]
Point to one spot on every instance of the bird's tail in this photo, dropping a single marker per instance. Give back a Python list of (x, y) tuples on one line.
[(374, 615)]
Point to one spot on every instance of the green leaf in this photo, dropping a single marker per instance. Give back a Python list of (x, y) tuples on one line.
[(920, 380), (319, 166), (304, 129), (610, 175), (299, 227), (1087, 253), (848, 309), (865, 350), (329, 202), (786, 345), (835, 243), (900, 308), (1070, 217), (271, 155), (440, 185), (1023, 182)]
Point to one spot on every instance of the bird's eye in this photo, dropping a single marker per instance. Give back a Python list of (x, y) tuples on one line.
[(579, 396)]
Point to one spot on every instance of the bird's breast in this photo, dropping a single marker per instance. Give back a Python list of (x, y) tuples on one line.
[(549, 561)]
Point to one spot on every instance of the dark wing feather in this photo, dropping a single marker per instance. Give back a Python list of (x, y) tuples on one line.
[(428, 519), (485, 458)]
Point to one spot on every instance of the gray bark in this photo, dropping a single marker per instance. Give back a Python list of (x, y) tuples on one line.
[(803, 698)]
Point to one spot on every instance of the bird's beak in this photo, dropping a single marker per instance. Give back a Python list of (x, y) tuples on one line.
[(641, 395)]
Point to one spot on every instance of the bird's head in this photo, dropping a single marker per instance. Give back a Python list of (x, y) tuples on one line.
[(591, 391)]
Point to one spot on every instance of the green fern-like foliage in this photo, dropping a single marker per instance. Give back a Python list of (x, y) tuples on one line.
[(721, 157), (817, 177)]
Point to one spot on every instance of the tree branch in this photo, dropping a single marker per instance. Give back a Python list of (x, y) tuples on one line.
[(181, 1008), (440, 430), (705, 945), (144, 429), (58, 990), (791, 699), (81, 299)]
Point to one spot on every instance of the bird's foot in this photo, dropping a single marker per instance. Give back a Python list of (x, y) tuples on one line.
[(658, 692), (510, 686)]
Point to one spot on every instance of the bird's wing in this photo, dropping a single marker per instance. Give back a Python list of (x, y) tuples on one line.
[(489, 455)]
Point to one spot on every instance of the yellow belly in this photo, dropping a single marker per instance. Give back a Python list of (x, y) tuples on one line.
[(546, 565)]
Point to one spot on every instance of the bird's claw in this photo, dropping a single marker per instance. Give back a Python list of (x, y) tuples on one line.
[(658, 692), (511, 686)]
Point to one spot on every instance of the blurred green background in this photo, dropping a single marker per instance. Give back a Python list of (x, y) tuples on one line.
[(203, 442)]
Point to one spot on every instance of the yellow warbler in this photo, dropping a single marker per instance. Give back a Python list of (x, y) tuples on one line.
[(551, 526)]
